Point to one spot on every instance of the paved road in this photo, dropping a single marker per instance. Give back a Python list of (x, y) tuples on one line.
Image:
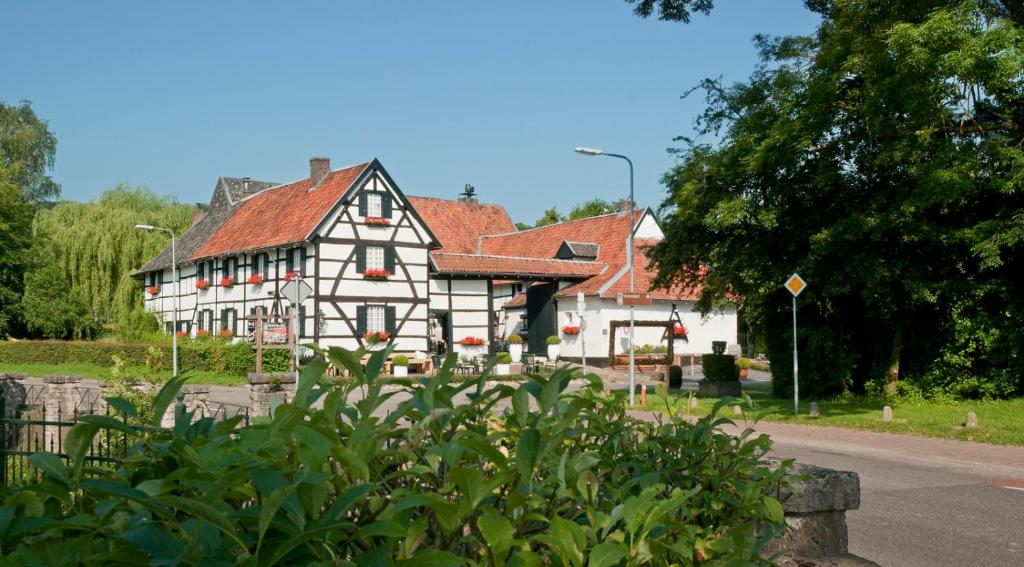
[(924, 502)]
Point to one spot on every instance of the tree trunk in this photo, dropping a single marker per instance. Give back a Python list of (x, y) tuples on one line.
[(893, 375)]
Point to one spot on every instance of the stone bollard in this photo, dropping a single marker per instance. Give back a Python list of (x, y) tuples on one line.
[(265, 390), (814, 410), (58, 406), (886, 413), (815, 510), (693, 402), (737, 410), (972, 420)]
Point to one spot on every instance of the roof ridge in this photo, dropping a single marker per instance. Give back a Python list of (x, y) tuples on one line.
[(456, 201), (560, 223), (290, 183), (499, 256)]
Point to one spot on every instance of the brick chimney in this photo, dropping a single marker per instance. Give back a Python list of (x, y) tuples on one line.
[(319, 167), (623, 205), (197, 214)]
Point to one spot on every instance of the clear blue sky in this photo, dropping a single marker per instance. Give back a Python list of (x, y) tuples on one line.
[(175, 94)]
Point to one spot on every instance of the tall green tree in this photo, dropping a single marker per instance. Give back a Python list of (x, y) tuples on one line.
[(881, 159), (591, 208), (96, 247)]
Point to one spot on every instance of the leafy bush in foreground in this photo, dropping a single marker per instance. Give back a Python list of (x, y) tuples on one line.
[(456, 474)]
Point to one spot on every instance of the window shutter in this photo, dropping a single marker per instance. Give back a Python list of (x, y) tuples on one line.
[(234, 268), (360, 320), (389, 319), (223, 318), (266, 265), (302, 260), (289, 262), (389, 259), (362, 203), (302, 320), (385, 205), (360, 259)]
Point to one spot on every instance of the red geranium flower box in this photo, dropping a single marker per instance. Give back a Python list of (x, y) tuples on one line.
[(202, 333), (377, 337), (472, 341), (226, 333), (180, 333), (255, 279), (203, 284), (227, 282), (377, 221), (376, 274), (153, 289), (571, 330), (290, 276)]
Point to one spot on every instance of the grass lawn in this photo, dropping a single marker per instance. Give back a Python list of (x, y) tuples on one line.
[(999, 421), (98, 372)]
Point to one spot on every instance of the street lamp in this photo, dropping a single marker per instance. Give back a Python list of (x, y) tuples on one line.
[(174, 280), (629, 259)]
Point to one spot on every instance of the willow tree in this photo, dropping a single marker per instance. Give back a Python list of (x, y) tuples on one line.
[(96, 247)]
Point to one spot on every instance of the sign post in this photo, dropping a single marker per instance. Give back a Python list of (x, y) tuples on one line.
[(296, 291), (581, 310), (796, 285)]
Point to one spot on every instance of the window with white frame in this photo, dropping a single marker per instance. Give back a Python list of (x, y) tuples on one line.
[(374, 257), (375, 319), (374, 205)]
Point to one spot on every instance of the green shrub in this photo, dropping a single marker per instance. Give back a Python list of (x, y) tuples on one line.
[(240, 359), (400, 360), (554, 340), (515, 340), (59, 352), (560, 478), (137, 325), (276, 360), (720, 367), (718, 347), (748, 364), (504, 358)]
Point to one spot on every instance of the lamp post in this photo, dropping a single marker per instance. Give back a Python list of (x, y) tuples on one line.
[(174, 280), (629, 259)]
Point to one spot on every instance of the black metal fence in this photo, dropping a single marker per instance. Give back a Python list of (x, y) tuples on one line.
[(26, 429)]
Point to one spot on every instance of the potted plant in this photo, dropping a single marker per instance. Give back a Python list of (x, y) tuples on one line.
[(515, 348), (504, 366), (721, 373), (553, 347), (227, 282), (473, 345), (400, 366), (153, 289), (203, 284), (255, 279), (679, 332)]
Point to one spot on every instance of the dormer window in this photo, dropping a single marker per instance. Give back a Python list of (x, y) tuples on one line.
[(585, 251)]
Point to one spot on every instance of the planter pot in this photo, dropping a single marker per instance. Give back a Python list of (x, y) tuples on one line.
[(472, 350), (554, 351), (707, 388), (400, 371), (503, 369), (516, 351)]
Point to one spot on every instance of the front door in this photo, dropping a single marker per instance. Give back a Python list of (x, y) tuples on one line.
[(540, 316)]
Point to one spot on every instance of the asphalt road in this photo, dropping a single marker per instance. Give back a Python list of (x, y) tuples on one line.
[(923, 502)]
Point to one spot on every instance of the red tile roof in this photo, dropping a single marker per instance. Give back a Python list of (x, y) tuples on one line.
[(511, 266), (458, 225), (617, 280), (280, 215)]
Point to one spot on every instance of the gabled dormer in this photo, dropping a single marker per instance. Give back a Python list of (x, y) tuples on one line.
[(582, 251)]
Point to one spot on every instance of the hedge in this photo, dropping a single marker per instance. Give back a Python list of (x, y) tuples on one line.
[(720, 367), (209, 355)]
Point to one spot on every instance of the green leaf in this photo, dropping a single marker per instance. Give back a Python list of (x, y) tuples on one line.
[(164, 399), (124, 406), (606, 554), (526, 453), (521, 406), (52, 466), (497, 530), (77, 444), (774, 509)]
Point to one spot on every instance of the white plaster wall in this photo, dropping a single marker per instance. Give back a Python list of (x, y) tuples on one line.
[(648, 228)]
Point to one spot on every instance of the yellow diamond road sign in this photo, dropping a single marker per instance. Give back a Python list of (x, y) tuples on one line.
[(795, 284)]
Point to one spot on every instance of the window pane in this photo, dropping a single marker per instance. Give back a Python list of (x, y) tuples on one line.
[(374, 258), (373, 205), (375, 318)]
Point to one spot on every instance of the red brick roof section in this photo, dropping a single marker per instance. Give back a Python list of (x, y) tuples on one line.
[(280, 215), (459, 225), (511, 266), (608, 231), (620, 281)]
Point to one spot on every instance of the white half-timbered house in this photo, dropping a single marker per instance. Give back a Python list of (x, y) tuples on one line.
[(429, 274)]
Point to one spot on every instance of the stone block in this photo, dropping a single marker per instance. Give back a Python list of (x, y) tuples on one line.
[(972, 420), (886, 413), (719, 389)]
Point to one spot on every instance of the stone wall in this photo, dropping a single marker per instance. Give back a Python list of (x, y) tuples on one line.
[(267, 390)]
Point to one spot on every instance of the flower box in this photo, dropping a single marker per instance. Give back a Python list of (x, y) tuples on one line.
[(203, 284), (571, 330), (227, 282), (255, 279), (377, 221), (226, 333), (290, 276), (472, 341), (202, 334), (377, 337), (376, 274), (180, 333), (679, 331), (153, 289)]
